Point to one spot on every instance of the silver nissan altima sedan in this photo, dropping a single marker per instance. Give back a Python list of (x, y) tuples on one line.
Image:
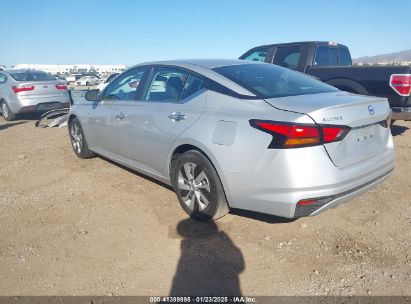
[(236, 134)]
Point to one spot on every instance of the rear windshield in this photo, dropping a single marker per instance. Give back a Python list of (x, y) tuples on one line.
[(269, 81), (32, 76)]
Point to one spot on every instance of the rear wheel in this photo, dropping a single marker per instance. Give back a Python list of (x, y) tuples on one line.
[(7, 113), (78, 140), (198, 186)]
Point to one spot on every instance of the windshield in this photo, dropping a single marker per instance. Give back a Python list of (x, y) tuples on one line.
[(32, 76), (269, 81)]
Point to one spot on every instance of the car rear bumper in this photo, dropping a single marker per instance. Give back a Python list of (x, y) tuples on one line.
[(39, 103), (336, 200), (42, 107), (401, 113), (285, 177)]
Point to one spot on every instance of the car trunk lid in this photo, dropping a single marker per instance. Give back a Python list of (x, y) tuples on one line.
[(363, 114)]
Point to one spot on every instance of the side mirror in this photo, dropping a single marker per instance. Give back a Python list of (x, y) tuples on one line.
[(92, 95)]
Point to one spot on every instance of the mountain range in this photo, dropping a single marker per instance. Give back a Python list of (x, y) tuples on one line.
[(391, 57)]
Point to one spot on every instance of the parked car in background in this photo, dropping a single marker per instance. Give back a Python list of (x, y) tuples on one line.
[(101, 86), (60, 77), (23, 91), (331, 63), (88, 80), (72, 78), (238, 134)]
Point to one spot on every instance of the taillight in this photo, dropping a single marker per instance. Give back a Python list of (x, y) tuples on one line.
[(22, 89), (401, 83), (334, 133), (290, 135), (61, 87)]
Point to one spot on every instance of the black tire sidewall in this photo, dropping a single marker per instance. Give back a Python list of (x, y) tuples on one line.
[(217, 196)]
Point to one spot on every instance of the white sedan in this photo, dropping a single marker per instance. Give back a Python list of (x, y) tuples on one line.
[(88, 80)]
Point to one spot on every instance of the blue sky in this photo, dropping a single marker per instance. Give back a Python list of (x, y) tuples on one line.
[(129, 32)]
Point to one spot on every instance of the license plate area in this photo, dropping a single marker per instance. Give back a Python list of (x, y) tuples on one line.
[(366, 134), (48, 106)]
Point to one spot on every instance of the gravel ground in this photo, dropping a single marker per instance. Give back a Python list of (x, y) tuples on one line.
[(90, 227)]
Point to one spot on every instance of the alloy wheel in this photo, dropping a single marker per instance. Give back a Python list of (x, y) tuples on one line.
[(194, 187), (4, 110), (76, 137)]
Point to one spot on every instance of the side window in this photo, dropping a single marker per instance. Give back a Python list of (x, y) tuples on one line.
[(167, 84), (288, 57), (322, 56), (192, 86), (126, 86), (333, 56), (344, 57), (3, 79), (326, 56), (258, 55)]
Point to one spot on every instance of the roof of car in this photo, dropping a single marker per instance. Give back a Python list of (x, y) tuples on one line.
[(299, 43), (206, 63), (21, 71)]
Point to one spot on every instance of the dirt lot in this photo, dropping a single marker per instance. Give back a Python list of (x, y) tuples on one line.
[(89, 227)]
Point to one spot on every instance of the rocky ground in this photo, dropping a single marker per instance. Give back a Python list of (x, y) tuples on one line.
[(90, 227)]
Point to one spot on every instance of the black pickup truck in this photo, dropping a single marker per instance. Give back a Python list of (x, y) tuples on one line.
[(331, 63)]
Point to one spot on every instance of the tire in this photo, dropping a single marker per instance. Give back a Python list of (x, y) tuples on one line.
[(78, 140), (7, 113), (198, 187)]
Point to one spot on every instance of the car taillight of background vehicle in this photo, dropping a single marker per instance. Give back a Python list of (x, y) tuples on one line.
[(18, 89), (286, 135), (401, 83), (61, 87)]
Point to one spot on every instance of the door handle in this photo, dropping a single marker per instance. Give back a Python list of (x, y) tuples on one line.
[(120, 115), (177, 116)]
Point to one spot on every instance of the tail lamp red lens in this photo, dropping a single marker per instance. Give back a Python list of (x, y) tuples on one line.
[(307, 202), (289, 135), (18, 89), (61, 87), (401, 83)]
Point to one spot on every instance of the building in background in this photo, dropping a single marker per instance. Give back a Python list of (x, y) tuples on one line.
[(2, 67), (65, 69)]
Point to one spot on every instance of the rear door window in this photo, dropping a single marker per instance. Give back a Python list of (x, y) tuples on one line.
[(258, 55), (288, 57), (193, 85), (166, 85)]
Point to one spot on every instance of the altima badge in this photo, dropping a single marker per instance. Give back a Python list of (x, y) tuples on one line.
[(371, 110), (332, 118)]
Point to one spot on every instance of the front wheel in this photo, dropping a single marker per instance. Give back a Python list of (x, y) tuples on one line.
[(7, 114), (198, 187), (78, 140)]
